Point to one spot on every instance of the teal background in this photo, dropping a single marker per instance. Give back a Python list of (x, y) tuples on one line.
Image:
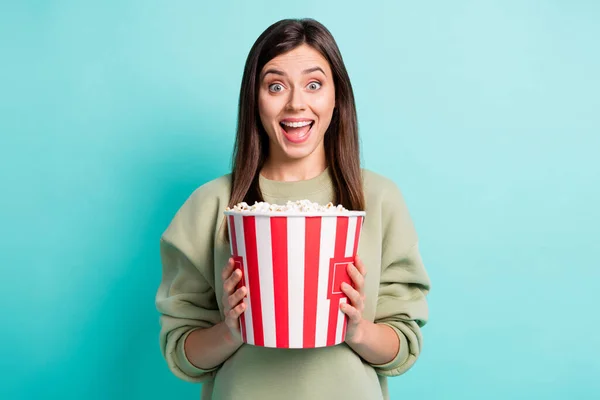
[(486, 114)]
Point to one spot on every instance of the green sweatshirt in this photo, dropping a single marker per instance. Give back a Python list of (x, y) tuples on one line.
[(194, 251)]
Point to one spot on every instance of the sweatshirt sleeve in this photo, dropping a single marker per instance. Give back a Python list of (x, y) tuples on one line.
[(404, 284), (186, 298)]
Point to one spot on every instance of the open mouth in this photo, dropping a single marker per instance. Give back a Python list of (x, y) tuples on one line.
[(297, 132)]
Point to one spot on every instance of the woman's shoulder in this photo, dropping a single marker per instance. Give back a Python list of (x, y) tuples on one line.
[(204, 204), (216, 188), (382, 192), (213, 194), (376, 183)]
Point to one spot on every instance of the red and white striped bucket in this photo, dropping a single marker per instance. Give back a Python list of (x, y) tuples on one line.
[(293, 266)]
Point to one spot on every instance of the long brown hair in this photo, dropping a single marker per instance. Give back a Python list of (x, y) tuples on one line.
[(341, 140)]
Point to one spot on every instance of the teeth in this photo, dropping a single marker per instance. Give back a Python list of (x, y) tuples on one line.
[(297, 124)]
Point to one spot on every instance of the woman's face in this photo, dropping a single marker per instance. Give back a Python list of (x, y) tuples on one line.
[(296, 99)]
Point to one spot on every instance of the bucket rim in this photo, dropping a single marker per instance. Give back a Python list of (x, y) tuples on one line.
[(296, 214)]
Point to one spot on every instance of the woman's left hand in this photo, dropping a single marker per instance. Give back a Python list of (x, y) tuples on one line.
[(356, 300)]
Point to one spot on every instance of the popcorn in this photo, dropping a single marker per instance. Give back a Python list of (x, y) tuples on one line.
[(298, 206)]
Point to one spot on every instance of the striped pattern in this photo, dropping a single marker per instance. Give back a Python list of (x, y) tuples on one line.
[(293, 268)]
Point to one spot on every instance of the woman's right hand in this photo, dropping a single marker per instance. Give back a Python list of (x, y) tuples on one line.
[(232, 299)]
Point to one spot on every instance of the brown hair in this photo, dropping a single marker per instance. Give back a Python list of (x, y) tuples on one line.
[(341, 138)]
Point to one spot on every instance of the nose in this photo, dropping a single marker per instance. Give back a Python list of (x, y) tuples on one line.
[(296, 100)]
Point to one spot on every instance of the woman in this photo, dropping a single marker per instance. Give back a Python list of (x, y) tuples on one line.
[(297, 138)]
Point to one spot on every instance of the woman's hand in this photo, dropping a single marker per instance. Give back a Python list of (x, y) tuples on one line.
[(356, 300), (232, 299)]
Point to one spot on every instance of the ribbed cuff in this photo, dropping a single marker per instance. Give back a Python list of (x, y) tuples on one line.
[(402, 355), (182, 361)]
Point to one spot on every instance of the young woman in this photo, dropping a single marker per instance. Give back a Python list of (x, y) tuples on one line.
[(297, 138)]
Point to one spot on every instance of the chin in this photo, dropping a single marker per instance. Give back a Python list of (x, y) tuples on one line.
[(297, 154)]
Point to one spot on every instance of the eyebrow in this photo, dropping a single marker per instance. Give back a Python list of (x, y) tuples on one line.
[(281, 73)]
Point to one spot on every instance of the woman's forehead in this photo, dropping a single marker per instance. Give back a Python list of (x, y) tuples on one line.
[(298, 61)]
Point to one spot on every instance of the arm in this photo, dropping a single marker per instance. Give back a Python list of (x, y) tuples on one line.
[(377, 344), (186, 302), (207, 348), (191, 335), (401, 305), (386, 343), (212, 346)]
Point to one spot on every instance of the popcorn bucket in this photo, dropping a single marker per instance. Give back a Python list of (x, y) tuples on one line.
[(293, 266)]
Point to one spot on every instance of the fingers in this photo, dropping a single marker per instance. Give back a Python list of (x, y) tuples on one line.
[(352, 313), (232, 281), (237, 296), (360, 266), (227, 270), (356, 299), (356, 276), (235, 312)]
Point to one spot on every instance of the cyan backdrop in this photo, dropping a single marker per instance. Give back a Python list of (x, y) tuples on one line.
[(485, 113)]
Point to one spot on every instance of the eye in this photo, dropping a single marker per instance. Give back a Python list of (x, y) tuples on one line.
[(314, 85), (276, 87)]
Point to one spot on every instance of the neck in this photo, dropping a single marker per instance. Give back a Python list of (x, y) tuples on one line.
[(293, 170)]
